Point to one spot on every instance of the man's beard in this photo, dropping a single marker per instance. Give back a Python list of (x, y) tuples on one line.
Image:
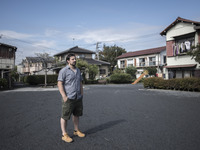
[(73, 64)]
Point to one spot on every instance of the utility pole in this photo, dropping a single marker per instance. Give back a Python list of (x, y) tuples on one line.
[(97, 49)]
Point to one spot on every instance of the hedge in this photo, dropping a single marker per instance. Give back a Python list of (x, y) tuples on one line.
[(40, 79), (120, 78), (90, 81), (3, 83), (186, 84)]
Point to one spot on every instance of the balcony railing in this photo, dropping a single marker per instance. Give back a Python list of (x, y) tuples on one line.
[(148, 63)]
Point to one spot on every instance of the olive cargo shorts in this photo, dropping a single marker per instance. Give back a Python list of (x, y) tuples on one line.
[(72, 106)]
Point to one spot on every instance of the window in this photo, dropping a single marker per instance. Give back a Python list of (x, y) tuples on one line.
[(152, 61), (102, 71), (122, 64), (82, 56), (141, 61), (164, 60), (130, 62), (183, 44)]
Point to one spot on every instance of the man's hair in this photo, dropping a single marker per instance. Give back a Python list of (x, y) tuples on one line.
[(69, 55)]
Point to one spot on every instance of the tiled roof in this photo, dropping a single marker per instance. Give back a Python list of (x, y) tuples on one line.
[(96, 62), (143, 52), (38, 59), (15, 48), (179, 19), (75, 49)]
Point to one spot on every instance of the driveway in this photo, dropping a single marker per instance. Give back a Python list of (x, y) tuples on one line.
[(116, 117)]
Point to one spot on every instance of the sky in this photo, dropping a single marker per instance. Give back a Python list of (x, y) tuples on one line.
[(52, 26)]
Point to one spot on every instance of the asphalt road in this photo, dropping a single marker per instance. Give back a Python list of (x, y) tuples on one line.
[(116, 117)]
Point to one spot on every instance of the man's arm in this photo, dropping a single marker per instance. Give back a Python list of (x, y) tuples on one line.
[(61, 90)]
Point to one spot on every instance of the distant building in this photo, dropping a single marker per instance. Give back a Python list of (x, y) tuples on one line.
[(181, 35), (86, 55), (7, 59), (36, 65), (154, 57)]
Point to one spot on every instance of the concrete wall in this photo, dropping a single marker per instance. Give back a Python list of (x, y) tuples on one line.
[(179, 29)]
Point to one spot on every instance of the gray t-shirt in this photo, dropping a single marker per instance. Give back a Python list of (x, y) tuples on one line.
[(71, 82)]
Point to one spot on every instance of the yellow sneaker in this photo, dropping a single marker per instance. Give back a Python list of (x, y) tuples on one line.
[(66, 138), (79, 134)]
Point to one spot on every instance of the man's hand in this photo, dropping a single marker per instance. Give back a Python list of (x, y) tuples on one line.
[(65, 98)]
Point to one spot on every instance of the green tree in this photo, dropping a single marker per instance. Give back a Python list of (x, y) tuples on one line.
[(152, 71), (93, 71), (131, 70), (83, 66), (14, 74), (195, 53), (110, 53)]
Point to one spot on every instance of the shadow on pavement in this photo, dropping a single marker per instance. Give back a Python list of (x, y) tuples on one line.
[(104, 126)]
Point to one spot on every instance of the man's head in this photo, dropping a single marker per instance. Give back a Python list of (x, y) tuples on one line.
[(71, 59)]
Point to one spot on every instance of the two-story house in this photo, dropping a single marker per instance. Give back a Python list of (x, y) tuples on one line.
[(86, 55), (7, 59), (181, 35), (154, 57), (36, 65)]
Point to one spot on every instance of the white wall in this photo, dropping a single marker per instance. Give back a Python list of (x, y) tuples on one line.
[(7, 63), (179, 29), (159, 61)]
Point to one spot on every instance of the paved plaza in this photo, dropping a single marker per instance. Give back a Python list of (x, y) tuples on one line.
[(116, 117)]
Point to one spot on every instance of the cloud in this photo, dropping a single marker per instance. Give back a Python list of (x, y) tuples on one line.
[(123, 34), (52, 33), (15, 35), (44, 43), (98, 35)]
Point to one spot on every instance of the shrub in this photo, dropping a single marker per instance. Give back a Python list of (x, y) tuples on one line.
[(186, 84), (120, 78), (89, 81), (131, 70), (3, 83), (152, 71), (40, 79), (93, 71)]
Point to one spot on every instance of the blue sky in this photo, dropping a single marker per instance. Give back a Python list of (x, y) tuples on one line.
[(51, 26)]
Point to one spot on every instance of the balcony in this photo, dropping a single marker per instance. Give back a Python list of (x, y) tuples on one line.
[(148, 64)]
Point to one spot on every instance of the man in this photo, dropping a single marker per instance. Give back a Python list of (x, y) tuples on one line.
[(71, 90)]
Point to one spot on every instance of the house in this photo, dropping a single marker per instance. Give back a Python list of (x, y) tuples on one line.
[(86, 55), (181, 35), (154, 57), (36, 65), (7, 59)]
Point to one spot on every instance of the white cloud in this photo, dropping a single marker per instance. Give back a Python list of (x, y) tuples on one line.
[(130, 32), (52, 33), (15, 35), (44, 43)]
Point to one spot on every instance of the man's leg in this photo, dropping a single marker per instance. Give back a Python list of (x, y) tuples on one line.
[(76, 122), (65, 136), (63, 124), (76, 127)]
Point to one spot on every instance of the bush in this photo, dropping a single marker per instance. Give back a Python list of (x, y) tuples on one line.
[(89, 81), (152, 71), (93, 71), (186, 84), (121, 78), (3, 83), (131, 70), (40, 79)]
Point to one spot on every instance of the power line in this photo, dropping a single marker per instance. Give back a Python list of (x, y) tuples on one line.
[(27, 42)]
